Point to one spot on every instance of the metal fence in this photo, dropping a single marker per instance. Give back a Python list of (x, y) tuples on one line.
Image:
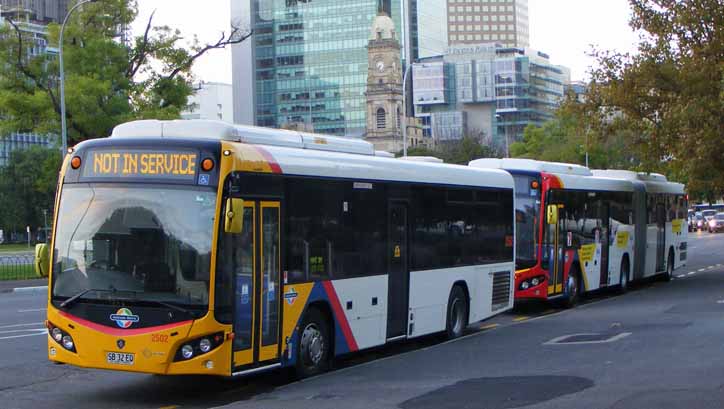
[(17, 267)]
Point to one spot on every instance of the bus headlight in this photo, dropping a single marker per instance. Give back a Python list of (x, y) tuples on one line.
[(57, 334), (199, 346), (205, 345), (61, 337), (187, 351), (534, 282), (68, 342), (524, 285)]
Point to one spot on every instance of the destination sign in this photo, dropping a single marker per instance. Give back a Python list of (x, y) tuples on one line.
[(145, 164)]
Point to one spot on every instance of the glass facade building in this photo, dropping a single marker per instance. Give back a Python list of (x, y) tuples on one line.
[(499, 90), (22, 140), (310, 59)]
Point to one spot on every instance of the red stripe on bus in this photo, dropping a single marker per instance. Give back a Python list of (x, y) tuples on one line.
[(339, 314), (118, 332), (270, 160)]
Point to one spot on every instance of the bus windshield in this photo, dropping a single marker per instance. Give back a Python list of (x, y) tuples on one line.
[(149, 243), (527, 208)]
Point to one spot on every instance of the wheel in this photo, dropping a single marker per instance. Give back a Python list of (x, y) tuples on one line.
[(573, 287), (457, 313), (669, 267), (625, 271), (314, 344)]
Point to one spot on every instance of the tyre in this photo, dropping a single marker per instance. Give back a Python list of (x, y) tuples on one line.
[(625, 276), (573, 288), (314, 344), (457, 313), (669, 267)]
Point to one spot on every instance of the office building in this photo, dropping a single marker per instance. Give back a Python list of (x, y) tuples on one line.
[(23, 140), (307, 62), (486, 91), (40, 11), (488, 21), (210, 100)]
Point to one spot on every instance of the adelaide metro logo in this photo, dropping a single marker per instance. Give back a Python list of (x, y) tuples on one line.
[(124, 318)]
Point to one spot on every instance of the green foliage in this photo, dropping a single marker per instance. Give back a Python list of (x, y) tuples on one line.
[(669, 97), (458, 152), (570, 134), (110, 79), (27, 187)]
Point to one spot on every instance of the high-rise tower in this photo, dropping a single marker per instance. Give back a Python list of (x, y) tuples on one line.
[(488, 21)]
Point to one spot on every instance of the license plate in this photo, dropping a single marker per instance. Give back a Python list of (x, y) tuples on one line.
[(119, 358)]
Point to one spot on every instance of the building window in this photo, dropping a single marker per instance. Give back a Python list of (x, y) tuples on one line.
[(381, 118)]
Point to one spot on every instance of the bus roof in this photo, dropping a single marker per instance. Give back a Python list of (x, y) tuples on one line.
[(530, 165), (218, 130), (653, 182), (304, 154)]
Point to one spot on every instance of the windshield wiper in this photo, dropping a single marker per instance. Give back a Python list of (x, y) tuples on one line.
[(74, 298), (168, 305)]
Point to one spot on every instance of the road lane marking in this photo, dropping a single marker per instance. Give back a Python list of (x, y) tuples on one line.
[(21, 325), (522, 318), (21, 330), (692, 273), (38, 331), (710, 267), (169, 407), (33, 310), (489, 326), (681, 276), (701, 269), (561, 340)]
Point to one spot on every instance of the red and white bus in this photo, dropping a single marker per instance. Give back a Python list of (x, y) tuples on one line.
[(579, 230)]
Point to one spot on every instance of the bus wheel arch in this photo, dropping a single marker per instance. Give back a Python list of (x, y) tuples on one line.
[(315, 345), (457, 315)]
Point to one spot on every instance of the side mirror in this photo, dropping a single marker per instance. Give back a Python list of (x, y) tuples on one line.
[(42, 261), (552, 214), (234, 218)]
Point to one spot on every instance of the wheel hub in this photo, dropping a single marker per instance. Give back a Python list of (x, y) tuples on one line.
[(312, 344)]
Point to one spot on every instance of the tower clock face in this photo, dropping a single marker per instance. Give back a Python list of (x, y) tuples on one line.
[(380, 66)]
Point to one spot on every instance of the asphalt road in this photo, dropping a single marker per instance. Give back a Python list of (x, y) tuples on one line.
[(658, 346)]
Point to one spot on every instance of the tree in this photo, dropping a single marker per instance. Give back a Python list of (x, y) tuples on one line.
[(110, 78), (669, 97), (27, 187), (571, 134), (459, 152)]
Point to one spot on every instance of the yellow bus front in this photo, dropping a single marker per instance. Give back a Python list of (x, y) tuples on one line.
[(130, 282)]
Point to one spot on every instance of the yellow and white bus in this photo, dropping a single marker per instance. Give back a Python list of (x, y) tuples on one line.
[(199, 247)]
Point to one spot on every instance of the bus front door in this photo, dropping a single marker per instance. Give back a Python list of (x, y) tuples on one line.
[(257, 308), (556, 241), (398, 277), (660, 237), (605, 241)]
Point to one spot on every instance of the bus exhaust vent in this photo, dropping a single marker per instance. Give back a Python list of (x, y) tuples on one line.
[(501, 289)]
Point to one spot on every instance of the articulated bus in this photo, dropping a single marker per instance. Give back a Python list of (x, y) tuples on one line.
[(199, 247), (579, 230)]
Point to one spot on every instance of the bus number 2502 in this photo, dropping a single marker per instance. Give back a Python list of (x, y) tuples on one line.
[(159, 338)]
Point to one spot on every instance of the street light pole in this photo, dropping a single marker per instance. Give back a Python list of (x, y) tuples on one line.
[(63, 127), (404, 109)]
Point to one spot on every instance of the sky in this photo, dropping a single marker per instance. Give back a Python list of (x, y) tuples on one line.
[(563, 29)]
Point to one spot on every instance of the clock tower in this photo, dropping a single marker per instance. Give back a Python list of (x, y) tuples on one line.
[(384, 86)]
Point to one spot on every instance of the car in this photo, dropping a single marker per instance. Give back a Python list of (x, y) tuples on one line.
[(698, 221), (716, 223), (691, 220)]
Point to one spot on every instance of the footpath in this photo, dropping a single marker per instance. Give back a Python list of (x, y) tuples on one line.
[(10, 286)]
